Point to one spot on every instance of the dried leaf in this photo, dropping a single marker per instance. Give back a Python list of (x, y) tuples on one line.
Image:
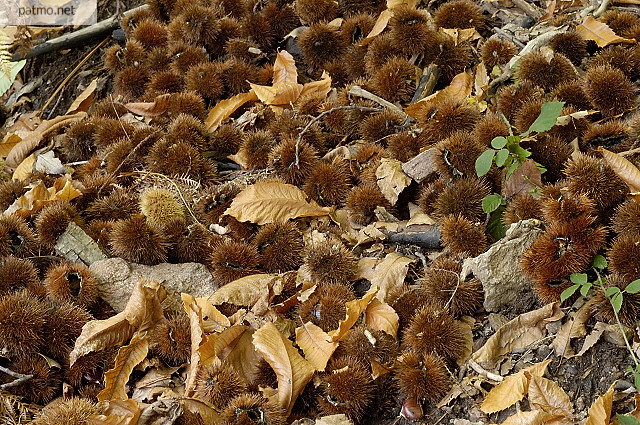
[(387, 275), (212, 319), (242, 356), (574, 328), (460, 35), (245, 291), (520, 332), (225, 108), (378, 27), (600, 411), (334, 420), (85, 99), (526, 177), (533, 417), (285, 88), (197, 339), (117, 412), (25, 169), (354, 309), (481, 81), (47, 163), (271, 202), (292, 370), (38, 196), (512, 389), (141, 314), (546, 395), (157, 108), (592, 29), (129, 356), (206, 412), (628, 172), (316, 345), (318, 88), (397, 3), (391, 179), (381, 316), (460, 88), (8, 143), (593, 337), (284, 69), (216, 343)]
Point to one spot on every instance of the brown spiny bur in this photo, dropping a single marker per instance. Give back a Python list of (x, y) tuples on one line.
[(16, 237), (462, 197), (593, 178), (433, 330), (73, 411), (609, 90), (71, 282), (326, 306), (108, 130), (372, 7), (380, 50), (347, 388), (411, 30), (461, 236), (457, 154), (329, 262), (213, 202), (283, 18), (206, 79), (320, 44), (10, 191), (546, 71), (450, 117), (405, 145), (160, 206), (250, 408), (130, 81), (229, 28), (117, 205), (226, 140), (158, 59), (171, 340), (328, 183), (134, 240), (193, 245), (292, 165), (241, 48), (379, 126), (627, 218), (363, 201), (22, 322), (552, 152), (452, 57), (263, 376), (406, 301), (44, 385), (163, 82), (617, 56), (77, 143), (16, 273), (88, 371), (527, 114), (612, 135), (560, 205), (619, 20), (218, 385), (424, 376), (512, 97), (441, 283), (562, 249), (188, 129), (255, 148), (190, 418), (490, 126), (497, 51), (64, 325), (571, 45), (231, 260), (355, 28), (181, 159), (522, 206), (366, 345), (183, 56), (630, 308), (52, 221), (548, 292), (120, 157), (459, 14), (572, 94), (623, 256), (312, 11), (119, 57), (150, 33), (280, 246), (187, 102), (395, 80), (429, 192), (107, 109), (196, 24)]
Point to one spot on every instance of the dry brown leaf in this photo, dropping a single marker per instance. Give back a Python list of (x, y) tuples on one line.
[(85, 99), (378, 27), (285, 88), (129, 356), (533, 417), (8, 143), (206, 412), (194, 312), (600, 410), (512, 389), (520, 332), (292, 370), (592, 29), (242, 356), (316, 345), (212, 319), (334, 420), (38, 196), (245, 291), (354, 309), (628, 172), (215, 344), (382, 317), (460, 35), (225, 108), (481, 82), (319, 89), (158, 107), (273, 202), (141, 314), (387, 274), (117, 412), (526, 177), (546, 395), (573, 328), (593, 337), (467, 332), (460, 88), (391, 179), (397, 3), (24, 169)]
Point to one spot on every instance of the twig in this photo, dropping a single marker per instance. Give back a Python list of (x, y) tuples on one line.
[(502, 33), (360, 92), (528, 9), (630, 152), (20, 378), (429, 238), (602, 8), (483, 372), (427, 82), (322, 115)]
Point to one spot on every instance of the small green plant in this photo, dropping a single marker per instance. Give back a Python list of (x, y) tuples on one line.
[(627, 420), (8, 68)]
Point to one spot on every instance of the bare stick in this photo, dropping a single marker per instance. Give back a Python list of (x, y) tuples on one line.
[(483, 372), (20, 378), (360, 92), (427, 237), (502, 33), (528, 9), (603, 7), (630, 152), (323, 114)]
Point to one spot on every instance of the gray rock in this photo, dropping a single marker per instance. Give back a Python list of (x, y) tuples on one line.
[(117, 277), (499, 267)]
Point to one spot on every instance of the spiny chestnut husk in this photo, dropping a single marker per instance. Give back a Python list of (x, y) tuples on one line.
[(452, 57), (457, 154), (73, 411), (411, 30), (213, 201), (16, 273), (624, 58), (88, 371), (218, 385), (22, 322), (64, 325), (280, 246), (461, 236), (150, 33), (329, 262), (52, 221), (181, 159), (459, 14), (160, 206), (183, 56), (490, 126), (512, 97), (255, 148), (117, 205), (378, 126), (77, 144), (546, 72), (619, 20), (381, 49), (462, 197), (193, 245), (559, 205), (250, 408), (119, 57), (627, 218), (187, 102), (44, 385), (231, 260), (522, 206), (283, 159), (314, 11), (130, 81), (550, 151), (406, 302), (623, 256), (354, 29), (196, 24), (630, 308), (16, 238), (362, 202), (429, 193), (171, 340), (328, 183), (320, 44), (366, 345), (449, 118), (206, 79), (346, 389), (423, 376), (163, 82), (372, 7), (326, 306), (71, 282), (572, 93), (571, 45), (441, 283), (108, 130), (609, 90), (395, 81), (613, 135), (496, 51), (134, 240), (433, 330)]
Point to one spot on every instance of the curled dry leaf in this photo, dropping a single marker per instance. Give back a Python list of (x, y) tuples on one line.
[(38, 196), (534, 417), (142, 312), (320, 88), (391, 179), (334, 420), (129, 356), (285, 88), (85, 99), (117, 412), (460, 88), (628, 172), (157, 108), (206, 412), (382, 317), (573, 328), (48, 163), (592, 29), (273, 202), (8, 143), (242, 356), (600, 410), (378, 27), (292, 370), (546, 395), (215, 344), (526, 177), (397, 3), (194, 312), (212, 319), (520, 332), (354, 309), (24, 169), (316, 345), (245, 291), (512, 389), (387, 275), (225, 108)]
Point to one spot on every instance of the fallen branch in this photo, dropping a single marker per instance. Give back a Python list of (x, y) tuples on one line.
[(360, 92), (419, 235), (20, 378)]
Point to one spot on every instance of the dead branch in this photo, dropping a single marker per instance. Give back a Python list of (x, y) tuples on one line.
[(422, 235), (20, 378)]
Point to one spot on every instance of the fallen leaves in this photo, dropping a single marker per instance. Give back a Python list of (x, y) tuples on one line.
[(354, 309), (391, 179), (460, 88), (387, 275), (627, 172), (316, 344), (39, 195), (592, 29), (600, 410), (129, 356), (158, 107)]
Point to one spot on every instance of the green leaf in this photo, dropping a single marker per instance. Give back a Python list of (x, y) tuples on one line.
[(513, 139), (499, 142), (599, 262), (501, 157), (484, 161), (579, 278), (8, 76), (627, 420), (512, 168), (633, 287), (609, 292), (616, 302), (549, 113), (568, 292), (490, 203), (519, 151), (495, 227), (636, 380), (584, 290)]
